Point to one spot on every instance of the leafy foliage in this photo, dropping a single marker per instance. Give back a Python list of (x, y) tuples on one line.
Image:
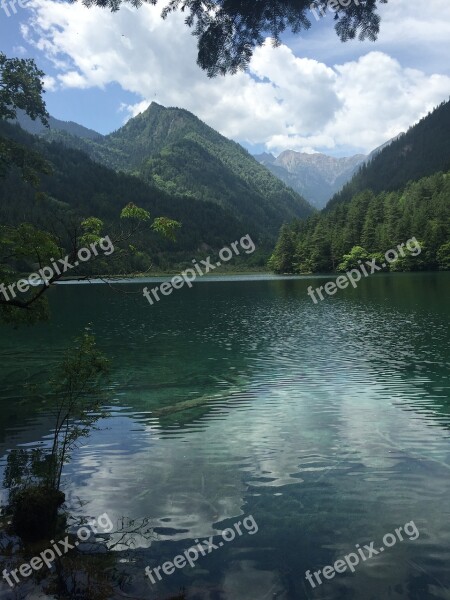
[(33, 476), (350, 260), (92, 231), (21, 87), (166, 227), (229, 30), (74, 398), (20, 246), (131, 211)]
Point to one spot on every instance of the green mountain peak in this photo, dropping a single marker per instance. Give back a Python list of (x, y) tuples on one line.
[(174, 151)]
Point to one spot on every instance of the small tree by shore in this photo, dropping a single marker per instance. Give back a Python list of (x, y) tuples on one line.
[(33, 477)]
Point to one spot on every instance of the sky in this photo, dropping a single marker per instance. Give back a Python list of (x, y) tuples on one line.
[(311, 94)]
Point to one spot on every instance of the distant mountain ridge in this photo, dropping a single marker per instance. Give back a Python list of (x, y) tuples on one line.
[(173, 150), (420, 152), (37, 128), (317, 177), (402, 192)]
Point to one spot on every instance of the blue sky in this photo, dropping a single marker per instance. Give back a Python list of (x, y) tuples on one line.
[(314, 93), (96, 108)]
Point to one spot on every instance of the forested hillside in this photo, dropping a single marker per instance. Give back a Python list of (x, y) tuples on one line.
[(421, 151), (79, 187), (174, 151), (386, 203), (375, 222)]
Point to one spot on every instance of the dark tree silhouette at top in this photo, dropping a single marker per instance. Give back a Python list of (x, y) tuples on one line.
[(229, 30)]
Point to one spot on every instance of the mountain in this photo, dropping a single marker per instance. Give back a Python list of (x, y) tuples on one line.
[(403, 192), (317, 177), (423, 150), (382, 147), (175, 152), (37, 128), (79, 187)]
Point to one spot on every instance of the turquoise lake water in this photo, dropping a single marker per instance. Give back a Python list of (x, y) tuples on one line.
[(329, 424)]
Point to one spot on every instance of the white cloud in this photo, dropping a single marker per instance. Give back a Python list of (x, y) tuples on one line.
[(73, 79), (284, 102), (417, 33), (379, 96), (19, 50), (50, 83), (422, 22)]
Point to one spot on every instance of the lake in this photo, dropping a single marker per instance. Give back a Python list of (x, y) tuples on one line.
[(329, 424)]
